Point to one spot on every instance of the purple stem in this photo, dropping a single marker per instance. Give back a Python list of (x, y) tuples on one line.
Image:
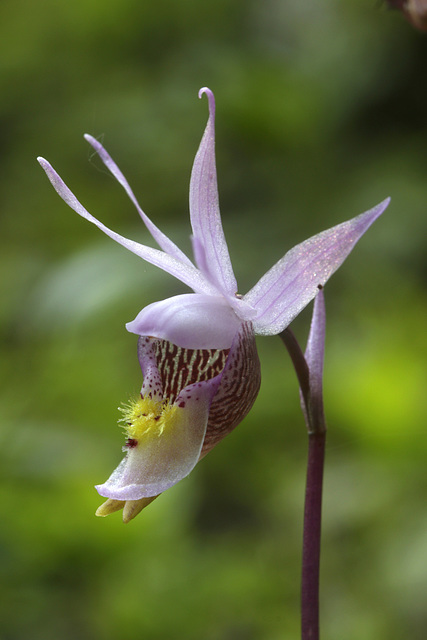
[(316, 428), (311, 537)]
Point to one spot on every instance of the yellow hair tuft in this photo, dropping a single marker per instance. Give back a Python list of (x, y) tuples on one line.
[(146, 417)]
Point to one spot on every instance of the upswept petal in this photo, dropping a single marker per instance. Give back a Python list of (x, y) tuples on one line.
[(162, 240), (163, 460), (186, 273), (191, 321), (294, 280), (204, 210)]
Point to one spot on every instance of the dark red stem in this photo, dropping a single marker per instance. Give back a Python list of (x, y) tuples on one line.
[(316, 428), (311, 537)]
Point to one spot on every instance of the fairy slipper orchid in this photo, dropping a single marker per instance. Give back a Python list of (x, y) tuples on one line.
[(197, 351)]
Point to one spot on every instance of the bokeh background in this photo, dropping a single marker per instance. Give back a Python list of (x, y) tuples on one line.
[(321, 114)]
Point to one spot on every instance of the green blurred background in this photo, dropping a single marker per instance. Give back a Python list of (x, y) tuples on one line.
[(321, 114)]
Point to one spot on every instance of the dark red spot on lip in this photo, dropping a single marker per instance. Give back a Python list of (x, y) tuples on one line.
[(131, 443), (182, 405)]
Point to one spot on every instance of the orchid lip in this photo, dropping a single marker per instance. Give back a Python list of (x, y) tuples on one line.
[(169, 438), (165, 453)]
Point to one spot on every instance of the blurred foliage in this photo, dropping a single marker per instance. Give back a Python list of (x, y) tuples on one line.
[(320, 115)]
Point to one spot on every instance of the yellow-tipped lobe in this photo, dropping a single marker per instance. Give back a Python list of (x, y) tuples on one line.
[(109, 506), (131, 508)]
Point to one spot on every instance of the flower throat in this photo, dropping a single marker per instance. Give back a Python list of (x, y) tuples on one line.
[(179, 367)]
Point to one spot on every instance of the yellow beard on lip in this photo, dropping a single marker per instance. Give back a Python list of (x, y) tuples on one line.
[(146, 417)]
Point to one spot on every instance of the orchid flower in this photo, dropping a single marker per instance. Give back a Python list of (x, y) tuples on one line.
[(197, 351)]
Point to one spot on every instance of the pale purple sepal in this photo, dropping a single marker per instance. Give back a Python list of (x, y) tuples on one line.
[(192, 321), (272, 303), (314, 355), (289, 286), (162, 240), (204, 211), (187, 273)]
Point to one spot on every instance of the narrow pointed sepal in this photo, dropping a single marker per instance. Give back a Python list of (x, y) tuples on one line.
[(183, 271), (212, 256), (162, 240), (283, 292)]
